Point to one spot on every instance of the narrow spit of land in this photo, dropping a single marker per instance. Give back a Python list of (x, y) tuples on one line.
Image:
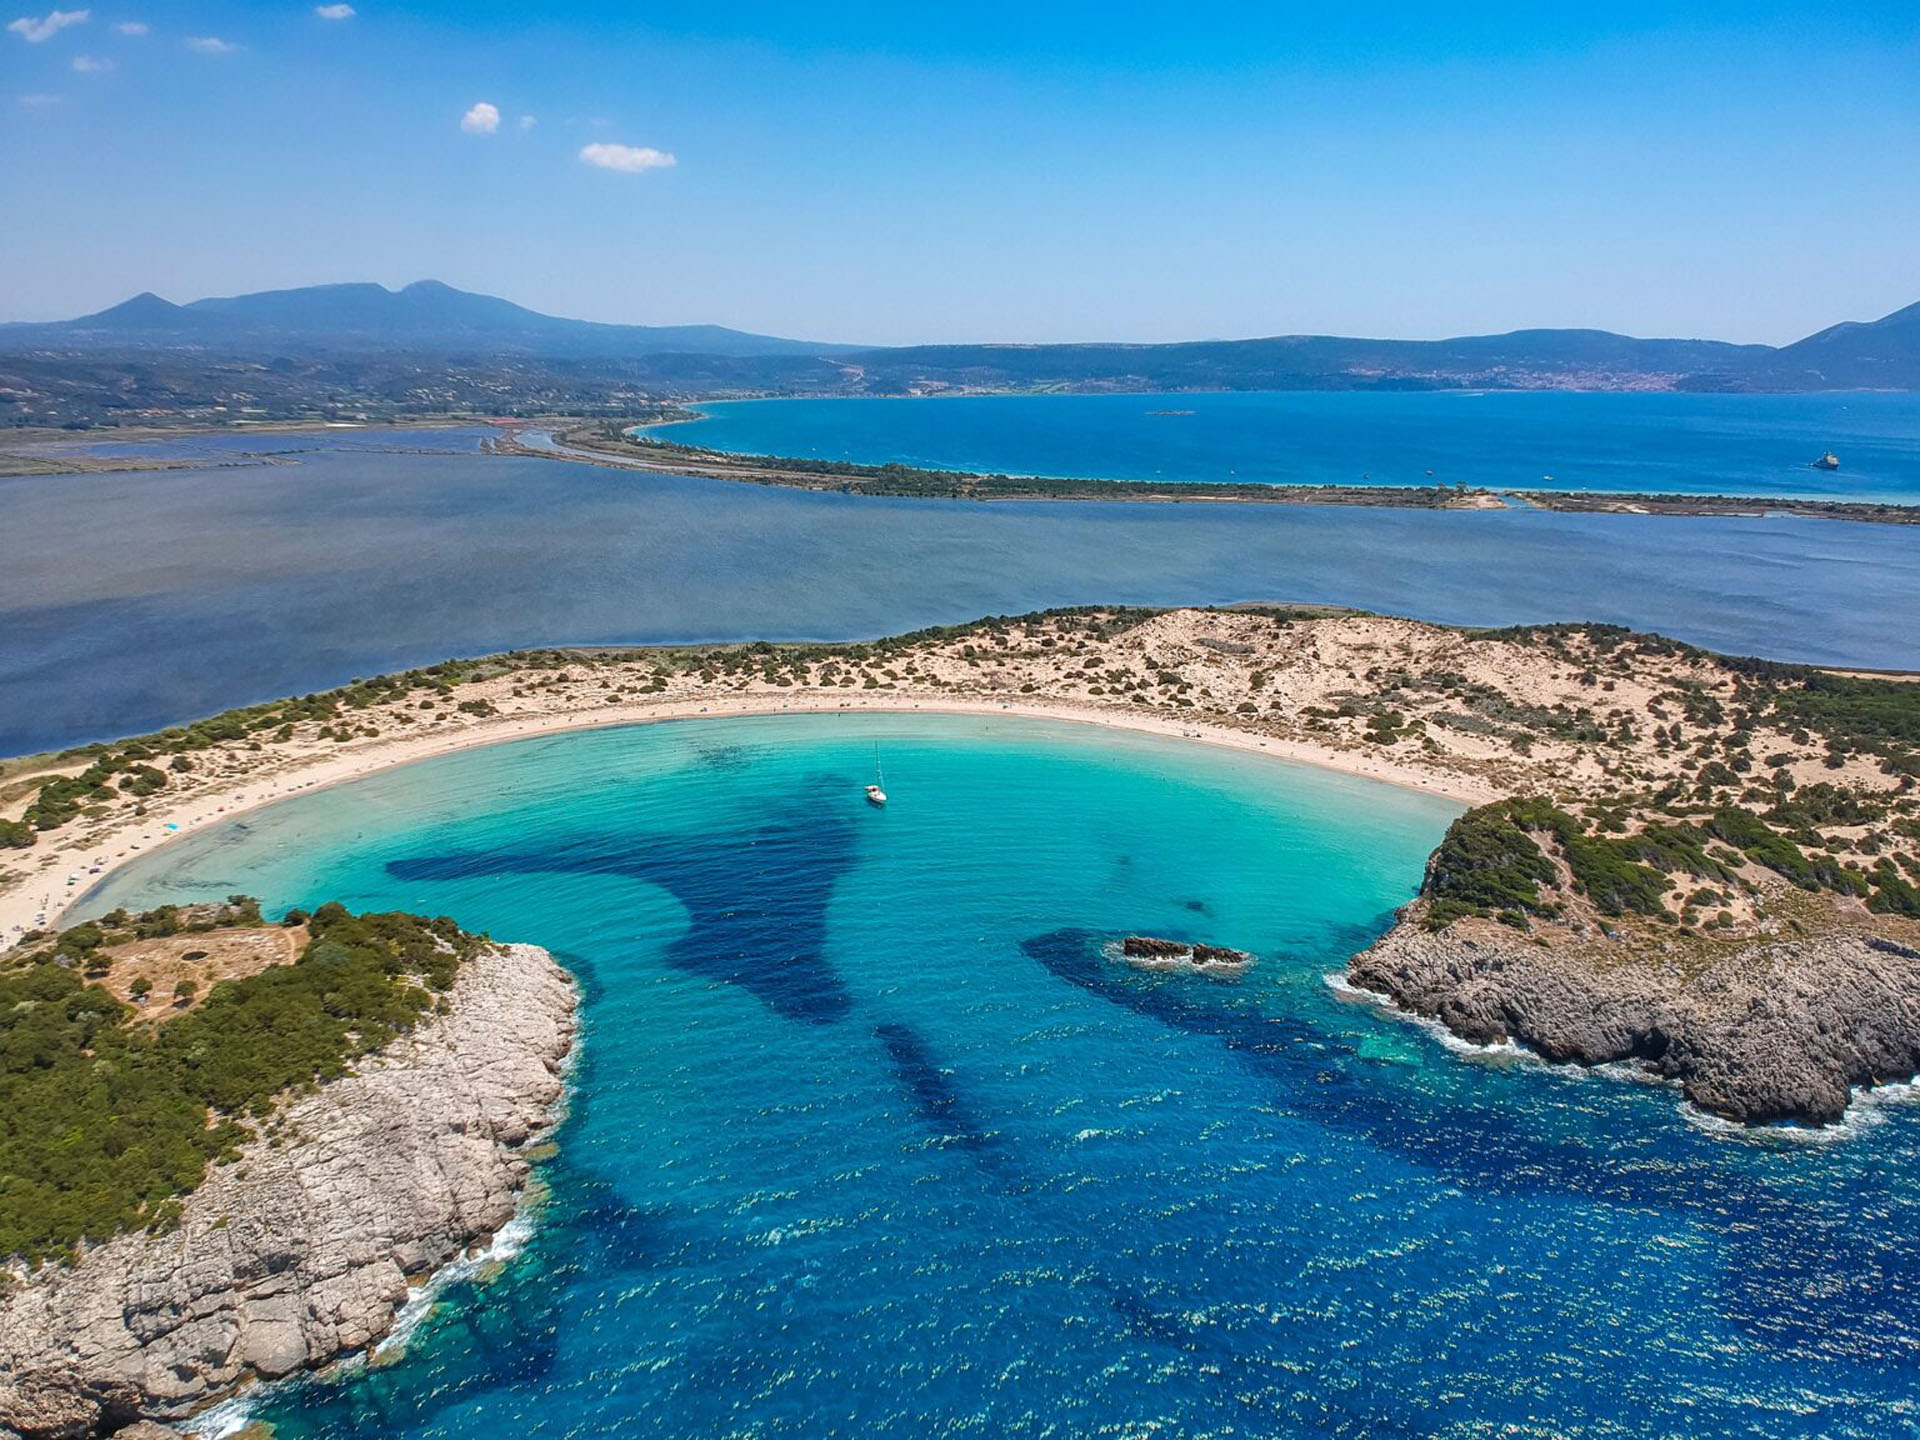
[(1704, 865), (612, 444), (618, 444), (615, 443)]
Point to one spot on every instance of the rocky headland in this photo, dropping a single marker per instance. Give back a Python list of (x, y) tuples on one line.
[(302, 1249), (1766, 1029)]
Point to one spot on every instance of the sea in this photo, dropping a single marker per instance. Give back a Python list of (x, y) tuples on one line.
[(1507, 440), (281, 564), (871, 1134)]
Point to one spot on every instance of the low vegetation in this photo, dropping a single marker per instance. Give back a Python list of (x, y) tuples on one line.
[(1523, 858), (105, 1124), (912, 481)]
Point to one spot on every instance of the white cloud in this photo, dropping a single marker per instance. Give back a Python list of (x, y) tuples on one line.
[(527, 122), (210, 45), (91, 65), (132, 27), (334, 12), (628, 158), (39, 102), (482, 119), (34, 31)]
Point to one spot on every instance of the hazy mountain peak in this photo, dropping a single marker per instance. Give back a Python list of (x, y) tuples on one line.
[(426, 315)]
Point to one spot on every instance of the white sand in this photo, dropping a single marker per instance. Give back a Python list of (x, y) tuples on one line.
[(59, 870)]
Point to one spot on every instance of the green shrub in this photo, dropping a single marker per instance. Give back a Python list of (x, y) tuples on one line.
[(104, 1124), (1485, 863)]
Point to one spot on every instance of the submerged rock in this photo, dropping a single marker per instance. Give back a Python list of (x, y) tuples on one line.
[(297, 1254)]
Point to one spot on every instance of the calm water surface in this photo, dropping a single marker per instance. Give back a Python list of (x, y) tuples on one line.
[(132, 601), (871, 1138), (1690, 444)]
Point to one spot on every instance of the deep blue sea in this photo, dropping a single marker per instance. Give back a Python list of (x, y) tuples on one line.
[(1547, 440), (871, 1139), (135, 600)]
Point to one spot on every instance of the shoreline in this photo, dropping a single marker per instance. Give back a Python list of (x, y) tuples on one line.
[(19, 460), (1639, 819), (613, 450), (907, 483), (342, 1218), (43, 897)]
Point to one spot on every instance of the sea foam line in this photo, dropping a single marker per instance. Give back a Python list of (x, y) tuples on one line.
[(1504, 1050), (1866, 1109), (230, 1416)]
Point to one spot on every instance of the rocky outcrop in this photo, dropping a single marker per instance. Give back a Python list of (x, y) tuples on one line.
[(1149, 952), (303, 1250), (1770, 1031)]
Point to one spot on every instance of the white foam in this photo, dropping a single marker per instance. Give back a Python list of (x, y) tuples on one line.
[(233, 1415), (1866, 1110), (1503, 1050), (511, 1240), (1867, 1107)]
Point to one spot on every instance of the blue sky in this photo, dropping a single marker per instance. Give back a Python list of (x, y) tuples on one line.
[(899, 172)]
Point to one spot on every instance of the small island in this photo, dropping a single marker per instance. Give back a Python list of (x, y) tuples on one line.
[(1217, 962), (235, 1148)]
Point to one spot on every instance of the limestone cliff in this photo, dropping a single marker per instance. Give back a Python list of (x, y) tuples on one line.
[(1767, 1030), (303, 1249)]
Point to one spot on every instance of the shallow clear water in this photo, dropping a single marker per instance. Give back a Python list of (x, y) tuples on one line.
[(1552, 440), (871, 1139), (133, 601)]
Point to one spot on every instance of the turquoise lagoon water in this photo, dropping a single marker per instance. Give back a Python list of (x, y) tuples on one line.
[(871, 1139), (1688, 444)]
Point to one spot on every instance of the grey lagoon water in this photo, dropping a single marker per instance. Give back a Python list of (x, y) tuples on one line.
[(1519, 440), (134, 600)]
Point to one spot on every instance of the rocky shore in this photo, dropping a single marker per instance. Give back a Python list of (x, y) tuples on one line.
[(302, 1250), (1768, 1031)]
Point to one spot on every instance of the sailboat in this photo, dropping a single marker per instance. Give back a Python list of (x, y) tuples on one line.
[(876, 792)]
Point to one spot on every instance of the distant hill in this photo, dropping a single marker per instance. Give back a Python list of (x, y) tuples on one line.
[(424, 317), (429, 330), (1879, 354), (1522, 359)]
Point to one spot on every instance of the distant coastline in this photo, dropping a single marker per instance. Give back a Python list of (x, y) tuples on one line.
[(613, 443)]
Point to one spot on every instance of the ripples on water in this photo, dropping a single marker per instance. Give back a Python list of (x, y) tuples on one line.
[(133, 601), (1515, 440), (871, 1139)]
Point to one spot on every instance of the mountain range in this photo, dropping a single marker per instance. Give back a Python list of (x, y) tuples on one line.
[(429, 321), (426, 316)]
